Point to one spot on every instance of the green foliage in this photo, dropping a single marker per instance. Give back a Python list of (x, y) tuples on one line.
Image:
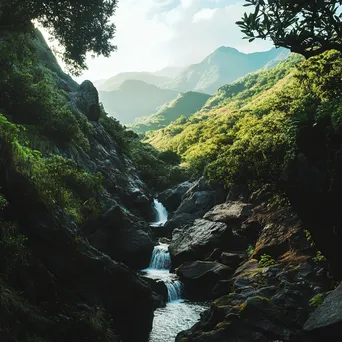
[(80, 27), (317, 300), (13, 249), (319, 257), (207, 136), (250, 250), (159, 169), (29, 94), (266, 260), (306, 27)]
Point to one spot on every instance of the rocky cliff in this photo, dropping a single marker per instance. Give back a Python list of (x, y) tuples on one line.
[(73, 209)]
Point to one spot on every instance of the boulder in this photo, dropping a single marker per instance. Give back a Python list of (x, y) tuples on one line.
[(201, 197), (251, 229), (122, 236), (215, 255), (171, 198), (326, 320), (87, 101), (230, 259), (200, 278), (279, 236), (231, 213), (197, 241), (159, 290)]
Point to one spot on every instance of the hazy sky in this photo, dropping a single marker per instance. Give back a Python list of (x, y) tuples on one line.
[(152, 34)]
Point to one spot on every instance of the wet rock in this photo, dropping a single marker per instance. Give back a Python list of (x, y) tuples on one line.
[(177, 221), (200, 277), (197, 241), (171, 198), (160, 290), (326, 320)]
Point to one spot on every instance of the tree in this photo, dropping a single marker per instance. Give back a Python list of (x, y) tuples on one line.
[(307, 27), (80, 26)]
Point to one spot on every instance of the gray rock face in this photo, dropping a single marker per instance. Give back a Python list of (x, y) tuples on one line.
[(87, 100), (171, 198), (197, 241), (326, 320), (200, 198), (232, 213), (120, 235), (230, 259), (200, 277)]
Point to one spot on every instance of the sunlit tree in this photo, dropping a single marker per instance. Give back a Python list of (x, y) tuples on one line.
[(80, 26), (308, 27)]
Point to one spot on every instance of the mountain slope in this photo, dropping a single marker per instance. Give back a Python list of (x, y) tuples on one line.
[(184, 105), (224, 65), (133, 99), (116, 81), (199, 136), (74, 206)]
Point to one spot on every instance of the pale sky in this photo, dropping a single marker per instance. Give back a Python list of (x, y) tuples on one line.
[(153, 34)]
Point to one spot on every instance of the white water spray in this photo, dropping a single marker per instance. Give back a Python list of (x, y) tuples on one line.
[(160, 258), (161, 214)]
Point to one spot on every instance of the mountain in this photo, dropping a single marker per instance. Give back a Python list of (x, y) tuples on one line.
[(117, 80), (208, 126), (185, 104), (171, 71), (134, 98), (224, 65)]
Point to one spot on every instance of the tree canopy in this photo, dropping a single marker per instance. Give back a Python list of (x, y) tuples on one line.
[(80, 26), (308, 27)]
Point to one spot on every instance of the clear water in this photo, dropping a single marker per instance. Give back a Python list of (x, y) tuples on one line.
[(175, 317), (178, 314), (161, 214)]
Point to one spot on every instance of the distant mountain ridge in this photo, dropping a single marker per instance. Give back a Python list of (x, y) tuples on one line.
[(225, 65), (131, 95), (185, 104), (134, 98), (147, 77)]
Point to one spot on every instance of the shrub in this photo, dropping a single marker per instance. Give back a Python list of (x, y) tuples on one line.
[(266, 260)]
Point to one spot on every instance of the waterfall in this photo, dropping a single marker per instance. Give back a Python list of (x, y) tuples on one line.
[(160, 258), (159, 269), (174, 290), (161, 214)]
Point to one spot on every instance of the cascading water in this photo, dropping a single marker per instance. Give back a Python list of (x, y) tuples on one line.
[(174, 290), (161, 214), (159, 269), (160, 258), (178, 314)]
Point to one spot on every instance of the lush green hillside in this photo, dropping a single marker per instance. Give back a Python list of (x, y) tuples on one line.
[(200, 136), (116, 81), (133, 99), (184, 105), (223, 66)]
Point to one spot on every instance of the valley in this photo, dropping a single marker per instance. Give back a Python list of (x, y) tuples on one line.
[(198, 203)]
